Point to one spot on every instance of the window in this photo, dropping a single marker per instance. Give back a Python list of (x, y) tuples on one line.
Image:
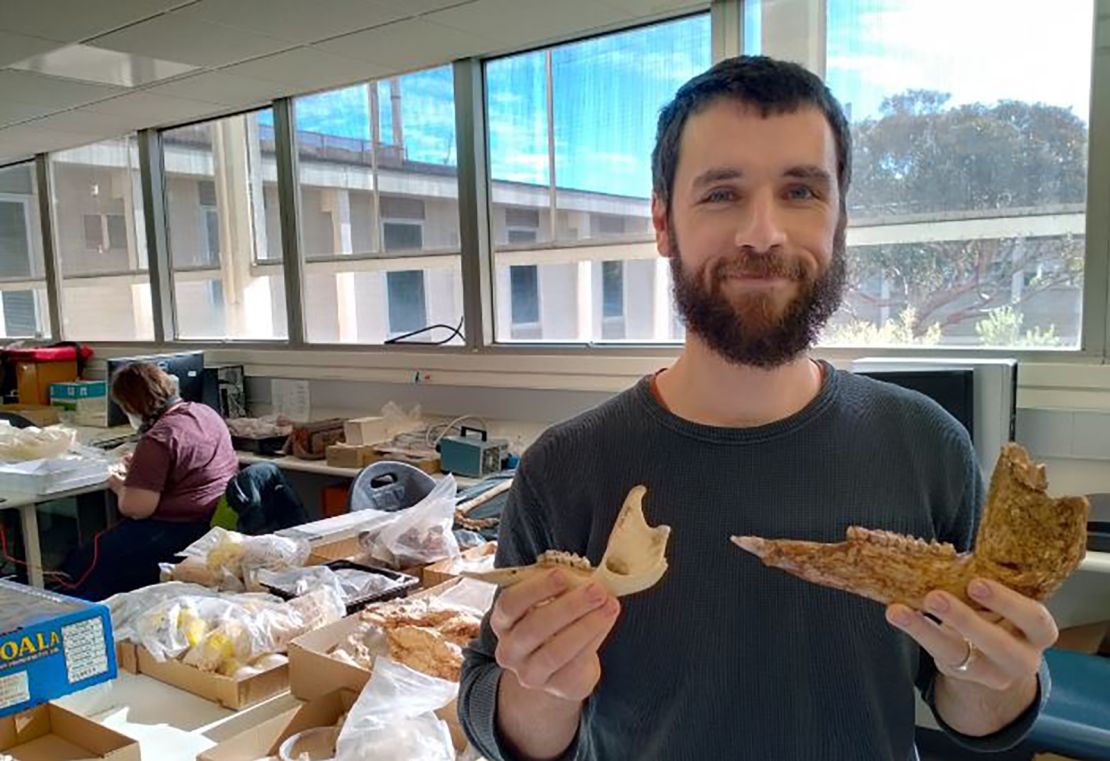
[(407, 309), (378, 182), (571, 129), (968, 202), (224, 237), (525, 301), (22, 287), (100, 234), (612, 300)]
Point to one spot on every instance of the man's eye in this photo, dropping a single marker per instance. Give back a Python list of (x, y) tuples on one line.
[(719, 196), (800, 193)]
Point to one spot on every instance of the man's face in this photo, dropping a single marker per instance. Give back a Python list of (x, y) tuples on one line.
[(753, 238)]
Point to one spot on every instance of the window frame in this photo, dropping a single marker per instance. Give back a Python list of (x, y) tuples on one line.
[(477, 249)]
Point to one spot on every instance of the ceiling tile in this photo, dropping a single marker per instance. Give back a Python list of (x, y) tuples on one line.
[(173, 38), (76, 20), (39, 89), (220, 87), (305, 69), (304, 22), (15, 47), (145, 109), (406, 45), (514, 23)]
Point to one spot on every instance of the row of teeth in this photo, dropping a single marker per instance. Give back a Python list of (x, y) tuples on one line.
[(890, 539), (556, 557)]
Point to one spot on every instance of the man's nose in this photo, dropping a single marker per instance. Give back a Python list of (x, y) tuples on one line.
[(761, 229)]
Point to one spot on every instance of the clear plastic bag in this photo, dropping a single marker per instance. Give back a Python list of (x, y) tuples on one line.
[(417, 535), (234, 559), (394, 718), (350, 583)]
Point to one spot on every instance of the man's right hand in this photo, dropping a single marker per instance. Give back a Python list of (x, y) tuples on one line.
[(549, 637)]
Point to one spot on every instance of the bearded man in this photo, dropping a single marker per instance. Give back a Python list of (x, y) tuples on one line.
[(746, 434)]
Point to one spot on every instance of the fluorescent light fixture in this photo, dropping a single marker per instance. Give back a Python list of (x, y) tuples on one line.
[(109, 67)]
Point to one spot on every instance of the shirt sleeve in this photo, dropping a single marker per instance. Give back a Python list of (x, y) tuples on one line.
[(150, 466), (522, 536), (961, 534)]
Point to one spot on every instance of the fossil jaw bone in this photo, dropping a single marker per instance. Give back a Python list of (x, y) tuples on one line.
[(634, 560), (1027, 541)]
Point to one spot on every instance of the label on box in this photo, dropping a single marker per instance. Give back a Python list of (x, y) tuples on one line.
[(85, 649), (14, 689)]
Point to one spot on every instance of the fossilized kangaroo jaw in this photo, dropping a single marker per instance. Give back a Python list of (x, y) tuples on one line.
[(1028, 541), (634, 560)]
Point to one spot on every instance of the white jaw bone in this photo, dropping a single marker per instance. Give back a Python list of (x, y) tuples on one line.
[(634, 560)]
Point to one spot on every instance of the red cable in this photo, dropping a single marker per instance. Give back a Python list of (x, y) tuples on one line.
[(63, 584)]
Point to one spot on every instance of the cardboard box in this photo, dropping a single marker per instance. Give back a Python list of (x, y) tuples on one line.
[(50, 646), (348, 548), (351, 455), (51, 733), (127, 657), (41, 415), (445, 570), (366, 430), (265, 739), (33, 378), (228, 692), (81, 402)]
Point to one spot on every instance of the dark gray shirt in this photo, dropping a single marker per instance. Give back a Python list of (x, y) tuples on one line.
[(724, 658)]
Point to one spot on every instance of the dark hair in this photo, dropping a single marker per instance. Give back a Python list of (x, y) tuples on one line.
[(774, 87), (142, 388)]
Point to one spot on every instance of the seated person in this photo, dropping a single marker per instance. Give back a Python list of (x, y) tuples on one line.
[(167, 490)]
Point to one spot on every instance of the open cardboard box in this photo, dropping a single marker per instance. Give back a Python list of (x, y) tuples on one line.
[(445, 570), (235, 694), (265, 739), (51, 733), (348, 548), (313, 672)]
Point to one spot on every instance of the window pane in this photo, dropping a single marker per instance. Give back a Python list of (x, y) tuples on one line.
[(22, 288), (101, 238), (601, 98), (405, 291), (378, 176), (526, 295), (225, 238), (968, 197)]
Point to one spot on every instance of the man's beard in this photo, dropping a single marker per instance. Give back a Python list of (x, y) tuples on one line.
[(752, 329)]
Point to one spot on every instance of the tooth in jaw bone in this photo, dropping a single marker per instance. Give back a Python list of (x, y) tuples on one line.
[(634, 560)]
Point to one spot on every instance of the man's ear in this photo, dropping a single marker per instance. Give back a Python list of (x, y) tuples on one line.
[(660, 221)]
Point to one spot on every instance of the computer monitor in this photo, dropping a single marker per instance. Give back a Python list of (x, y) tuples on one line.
[(186, 367)]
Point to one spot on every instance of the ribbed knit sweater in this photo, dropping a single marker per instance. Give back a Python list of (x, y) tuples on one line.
[(724, 658)]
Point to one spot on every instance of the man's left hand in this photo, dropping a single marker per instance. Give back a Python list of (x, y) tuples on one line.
[(999, 648)]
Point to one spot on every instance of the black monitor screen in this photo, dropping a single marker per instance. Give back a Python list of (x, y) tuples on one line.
[(187, 367), (952, 389)]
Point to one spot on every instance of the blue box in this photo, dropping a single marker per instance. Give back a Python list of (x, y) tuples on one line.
[(81, 402), (50, 646)]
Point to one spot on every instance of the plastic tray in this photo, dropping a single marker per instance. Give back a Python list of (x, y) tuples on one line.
[(265, 445), (405, 584)]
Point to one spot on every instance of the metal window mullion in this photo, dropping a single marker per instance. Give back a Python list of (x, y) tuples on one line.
[(726, 28), (152, 179), (1095, 340), (377, 239), (289, 200), (550, 91), (51, 265), (474, 203)]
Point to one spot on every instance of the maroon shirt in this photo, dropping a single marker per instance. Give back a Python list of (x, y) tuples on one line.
[(187, 457)]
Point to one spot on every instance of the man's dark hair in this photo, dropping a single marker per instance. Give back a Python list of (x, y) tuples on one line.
[(774, 87)]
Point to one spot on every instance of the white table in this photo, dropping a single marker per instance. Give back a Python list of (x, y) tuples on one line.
[(169, 724)]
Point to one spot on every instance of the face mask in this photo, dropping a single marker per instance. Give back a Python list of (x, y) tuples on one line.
[(135, 420)]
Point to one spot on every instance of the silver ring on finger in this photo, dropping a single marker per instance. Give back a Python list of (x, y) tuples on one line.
[(963, 666)]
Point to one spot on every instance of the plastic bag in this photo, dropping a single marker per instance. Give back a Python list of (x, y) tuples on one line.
[(471, 595), (417, 535), (349, 583), (393, 718), (234, 559), (22, 444)]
